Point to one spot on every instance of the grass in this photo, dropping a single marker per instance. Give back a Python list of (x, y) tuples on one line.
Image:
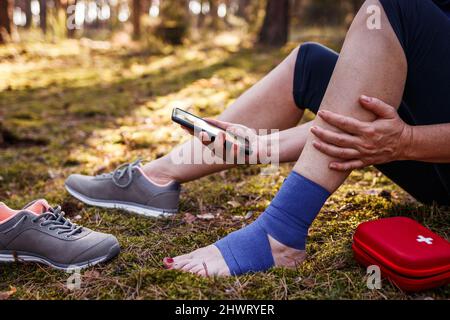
[(73, 107)]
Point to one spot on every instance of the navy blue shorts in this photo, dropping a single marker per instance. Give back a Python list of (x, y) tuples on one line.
[(423, 30)]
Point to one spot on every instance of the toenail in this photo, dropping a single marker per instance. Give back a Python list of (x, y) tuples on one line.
[(168, 260)]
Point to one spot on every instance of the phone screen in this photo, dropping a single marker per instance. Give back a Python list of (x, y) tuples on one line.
[(196, 122), (191, 121)]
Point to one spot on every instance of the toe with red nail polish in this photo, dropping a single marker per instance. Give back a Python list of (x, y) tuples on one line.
[(168, 262)]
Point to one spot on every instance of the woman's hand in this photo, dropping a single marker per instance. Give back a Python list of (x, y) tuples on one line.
[(360, 144), (218, 146)]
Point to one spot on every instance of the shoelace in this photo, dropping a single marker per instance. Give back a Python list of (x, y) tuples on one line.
[(54, 218), (121, 171)]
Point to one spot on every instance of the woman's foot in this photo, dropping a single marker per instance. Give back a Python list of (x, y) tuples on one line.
[(276, 238), (208, 261)]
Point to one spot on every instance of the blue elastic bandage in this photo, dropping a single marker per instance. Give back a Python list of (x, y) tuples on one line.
[(287, 220)]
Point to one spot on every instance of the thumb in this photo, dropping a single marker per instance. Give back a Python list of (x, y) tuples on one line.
[(378, 107), (218, 123)]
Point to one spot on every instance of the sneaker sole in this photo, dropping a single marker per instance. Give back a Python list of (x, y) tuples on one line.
[(148, 212), (27, 257)]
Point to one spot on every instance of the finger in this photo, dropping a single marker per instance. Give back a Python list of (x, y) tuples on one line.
[(221, 124), (378, 107), (338, 139), (347, 166), (204, 138), (237, 138), (239, 131), (347, 124), (188, 130), (334, 151), (219, 142)]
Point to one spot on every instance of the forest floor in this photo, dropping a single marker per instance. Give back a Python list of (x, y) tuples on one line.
[(79, 106)]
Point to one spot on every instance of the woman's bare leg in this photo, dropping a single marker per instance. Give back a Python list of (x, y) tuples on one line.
[(269, 104), (372, 62)]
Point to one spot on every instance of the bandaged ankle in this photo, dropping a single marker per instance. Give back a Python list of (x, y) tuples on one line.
[(287, 220)]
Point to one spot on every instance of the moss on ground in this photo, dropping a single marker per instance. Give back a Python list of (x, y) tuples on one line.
[(78, 109)]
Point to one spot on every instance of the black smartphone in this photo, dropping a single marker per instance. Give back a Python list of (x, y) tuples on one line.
[(193, 122)]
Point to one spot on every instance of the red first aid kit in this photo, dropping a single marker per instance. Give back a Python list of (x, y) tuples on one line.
[(413, 257)]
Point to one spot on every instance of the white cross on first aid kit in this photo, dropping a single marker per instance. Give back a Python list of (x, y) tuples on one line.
[(421, 238)]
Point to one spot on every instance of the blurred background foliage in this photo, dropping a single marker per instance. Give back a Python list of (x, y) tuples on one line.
[(154, 24), (159, 26), (270, 22)]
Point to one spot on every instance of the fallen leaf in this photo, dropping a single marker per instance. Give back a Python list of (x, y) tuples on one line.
[(249, 215), (92, 274), (234, 204), (7, 294), (206, 216), (240, 184), (237, 218), (308, 283), (347, 206), (52, 174), (77, 217), (189, 218)]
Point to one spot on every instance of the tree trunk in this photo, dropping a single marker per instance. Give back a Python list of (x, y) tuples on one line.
[(201, 15), (6, 20), (296, 6), (70, 15), (356, 4), (2, 139), (226, 19), (243, 9), (136, 18), (275, 28), (43, 15), (213, 14), (28, 13)]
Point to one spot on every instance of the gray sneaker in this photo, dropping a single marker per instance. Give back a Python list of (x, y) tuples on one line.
[(39, 233), (126, 188)]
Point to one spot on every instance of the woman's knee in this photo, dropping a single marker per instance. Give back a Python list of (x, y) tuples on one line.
[(314, 66), (311, 53), (315, 56)]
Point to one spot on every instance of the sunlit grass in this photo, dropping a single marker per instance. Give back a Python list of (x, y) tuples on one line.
[(99, 108)]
